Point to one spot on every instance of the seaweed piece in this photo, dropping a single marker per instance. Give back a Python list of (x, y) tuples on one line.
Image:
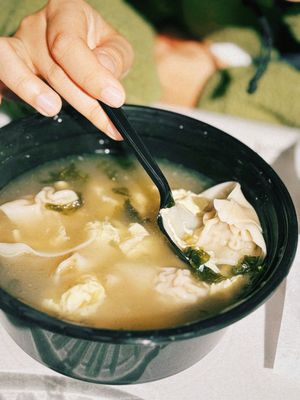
[(125, 162), (67, 208), (70, 173), (109, 169), (207, 275), (132, 213), (123, 191), (197, 257), (250, 265), (112, 168)]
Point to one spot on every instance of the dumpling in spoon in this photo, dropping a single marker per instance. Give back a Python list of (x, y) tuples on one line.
[(219, 220)]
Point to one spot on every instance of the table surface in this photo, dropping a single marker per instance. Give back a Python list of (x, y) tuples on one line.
[(242, 366)]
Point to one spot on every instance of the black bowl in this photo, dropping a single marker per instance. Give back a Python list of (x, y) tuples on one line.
[(121, 356)]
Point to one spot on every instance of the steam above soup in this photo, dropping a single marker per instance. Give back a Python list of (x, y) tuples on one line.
[(79, 240)]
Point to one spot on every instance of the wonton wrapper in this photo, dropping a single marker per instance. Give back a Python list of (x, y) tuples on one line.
[(73, 264), (226, 226), (17, 249), (131, 246), (179, 284), (29, 211), (33, 220), (81, 300), (104, 234), (35, 224)]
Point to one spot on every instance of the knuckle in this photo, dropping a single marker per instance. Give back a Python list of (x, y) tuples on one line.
[(90, 80), (125, 51), (29, 24), (26, 21), (116, 58), (54, 74), (128, 48), (22, 83), (117, 55), (52, 3), (61, 44), (93, 113)]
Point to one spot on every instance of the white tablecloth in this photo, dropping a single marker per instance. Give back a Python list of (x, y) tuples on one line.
[(257, 358)]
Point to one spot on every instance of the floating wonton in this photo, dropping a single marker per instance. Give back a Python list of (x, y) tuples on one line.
[(33, 221), (220, 220), (102, 236), (179, 284), (73, 264), (48, 195), (81, 300), (131, 246), (31, 210)]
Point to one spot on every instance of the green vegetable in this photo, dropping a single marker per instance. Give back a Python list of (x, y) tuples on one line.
[(125, 162), (109, 169), (253, 268), (67, 208), (70, 173), (197, 258), (123, 191), (112, 168), (207, 275), (132, 213), (249, 265)]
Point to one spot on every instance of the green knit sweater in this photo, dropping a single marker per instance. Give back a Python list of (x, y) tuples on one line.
[(278, 95)]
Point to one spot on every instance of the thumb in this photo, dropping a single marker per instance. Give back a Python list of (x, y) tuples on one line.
[(116, 55)]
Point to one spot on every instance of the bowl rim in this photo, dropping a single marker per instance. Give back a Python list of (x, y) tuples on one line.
[(232, 314)]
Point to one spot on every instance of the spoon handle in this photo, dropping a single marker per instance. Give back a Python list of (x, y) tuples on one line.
[(130, 135)]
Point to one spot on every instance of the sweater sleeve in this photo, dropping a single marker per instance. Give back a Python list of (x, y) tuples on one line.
[(13, 11), (275, 103), (141, 84)]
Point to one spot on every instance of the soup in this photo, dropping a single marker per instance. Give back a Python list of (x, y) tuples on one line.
[(79, 240)]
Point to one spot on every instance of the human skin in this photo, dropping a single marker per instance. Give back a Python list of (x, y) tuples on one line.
[(66, 51), (184, 67)]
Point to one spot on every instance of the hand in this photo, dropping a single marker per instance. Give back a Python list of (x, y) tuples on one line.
[(184, 67), (66, 50)]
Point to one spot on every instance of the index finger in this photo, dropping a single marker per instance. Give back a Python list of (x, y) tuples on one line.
[(67, 40)]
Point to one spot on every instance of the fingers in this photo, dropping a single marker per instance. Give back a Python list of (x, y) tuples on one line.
[(116, 55), (74, 50), (24, 83), (81, 101), (70, 50)]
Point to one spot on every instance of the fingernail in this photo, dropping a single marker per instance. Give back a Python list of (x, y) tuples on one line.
[(47, 105), (107, 62), (113, 132), (112, 96)]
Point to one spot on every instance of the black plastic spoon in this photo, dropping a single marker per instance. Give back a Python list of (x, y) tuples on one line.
[(119, 119)]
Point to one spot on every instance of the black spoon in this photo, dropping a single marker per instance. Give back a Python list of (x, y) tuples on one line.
[(130, 135)]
